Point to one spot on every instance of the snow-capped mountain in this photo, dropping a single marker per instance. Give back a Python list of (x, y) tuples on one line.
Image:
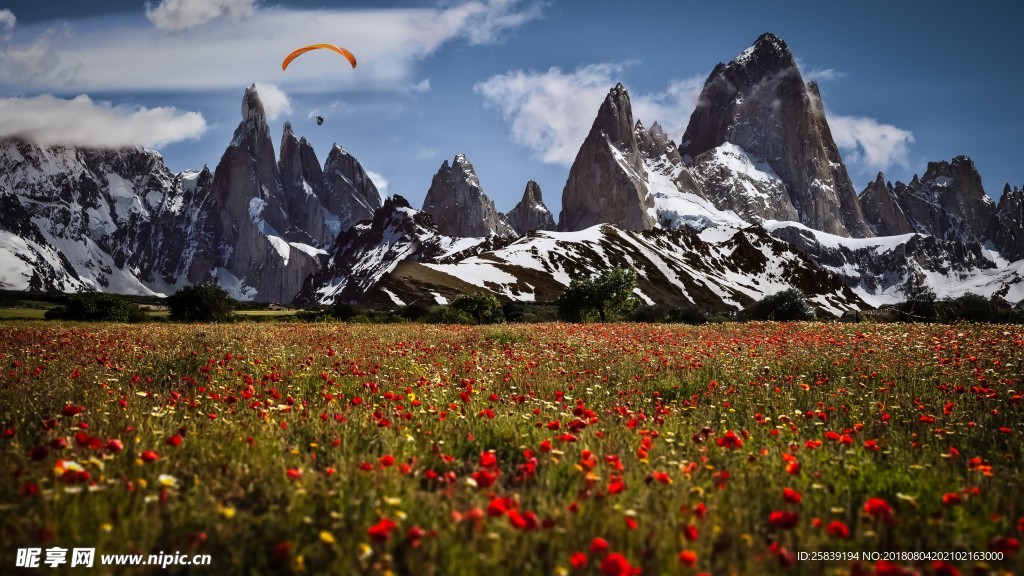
[(119, 221), (754, 200), (760, 103), (401, 258)]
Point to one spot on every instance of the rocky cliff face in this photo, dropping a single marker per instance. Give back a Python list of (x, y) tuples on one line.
[(302, 181), (458, 205), (760, 103), (368, 251), (1009, 232), (949, 202), (119, 221), (607, 182), (530, 213), (882, 209), (347, 193), (81, 219), (244, 244)]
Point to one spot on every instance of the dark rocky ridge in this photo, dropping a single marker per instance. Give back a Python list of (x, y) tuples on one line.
[(601, 188), (530, 213), (760, 102), (458, 205)]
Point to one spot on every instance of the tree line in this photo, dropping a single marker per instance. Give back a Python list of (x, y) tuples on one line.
[(604, 297)]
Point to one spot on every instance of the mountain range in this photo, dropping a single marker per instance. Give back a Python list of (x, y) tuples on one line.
[(753, 199)]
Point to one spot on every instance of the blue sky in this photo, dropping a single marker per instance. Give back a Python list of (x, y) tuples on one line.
[(513, 84)]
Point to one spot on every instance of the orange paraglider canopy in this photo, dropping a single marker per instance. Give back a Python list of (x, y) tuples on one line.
[(332, 47)]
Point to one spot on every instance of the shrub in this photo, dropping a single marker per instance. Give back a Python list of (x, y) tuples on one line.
[(483, 307), (448, 315), (609, 293), (342, 311), (97, 307), (788, 305), (202, 303), (920, 303), (686, 314)]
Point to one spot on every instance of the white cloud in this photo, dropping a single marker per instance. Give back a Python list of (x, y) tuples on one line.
[(40, 58), (275, 101), (421, 86), (869, 145), (551, 112), (227, 54), (379, 181), (82, 122), (178, 15), (826, 75), (671, 107), (7, 20)]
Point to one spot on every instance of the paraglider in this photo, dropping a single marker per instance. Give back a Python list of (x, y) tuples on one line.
[(319, 120), (348, 55)]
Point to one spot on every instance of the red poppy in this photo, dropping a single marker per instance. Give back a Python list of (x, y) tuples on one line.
[(783, 519), (616, 485), (951, 498), (880, 510), (488, 459), (415, 535), (294, 473), (730, 440), (386, 460), (630, 523), (690, 532), (72, 410), (616, 564), (688, 558), (837, 529), (174, 440), (484, 478), (791, 496), (381, 531), (114, 445), (578, 560), (598, 545), (149, 456)]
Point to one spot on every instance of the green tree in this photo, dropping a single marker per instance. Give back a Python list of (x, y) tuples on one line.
[(98, 307), (920, 303), (483, 307), (202, 303), (785, 306), (609, 293)]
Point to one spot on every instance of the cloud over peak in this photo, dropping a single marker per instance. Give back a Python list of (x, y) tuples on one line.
[(551, 112), (178, 15), (869, 145), (80, 121)]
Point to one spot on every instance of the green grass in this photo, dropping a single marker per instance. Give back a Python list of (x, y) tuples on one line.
[(21, 314)]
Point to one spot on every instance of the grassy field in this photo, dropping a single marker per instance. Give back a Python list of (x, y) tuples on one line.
[(518, 449)]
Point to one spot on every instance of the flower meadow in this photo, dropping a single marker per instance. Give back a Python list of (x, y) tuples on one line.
[(608, 449)]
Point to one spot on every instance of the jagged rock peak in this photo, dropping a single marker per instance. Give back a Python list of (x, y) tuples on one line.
[(252, 106), (615, 117), (760, 103), (458, 205), (882, 210), (607, 182), (531, 213), (396, 201), (532, 193), (768, 50)]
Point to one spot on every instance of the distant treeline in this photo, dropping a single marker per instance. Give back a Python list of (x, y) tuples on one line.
[(605, 300)]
